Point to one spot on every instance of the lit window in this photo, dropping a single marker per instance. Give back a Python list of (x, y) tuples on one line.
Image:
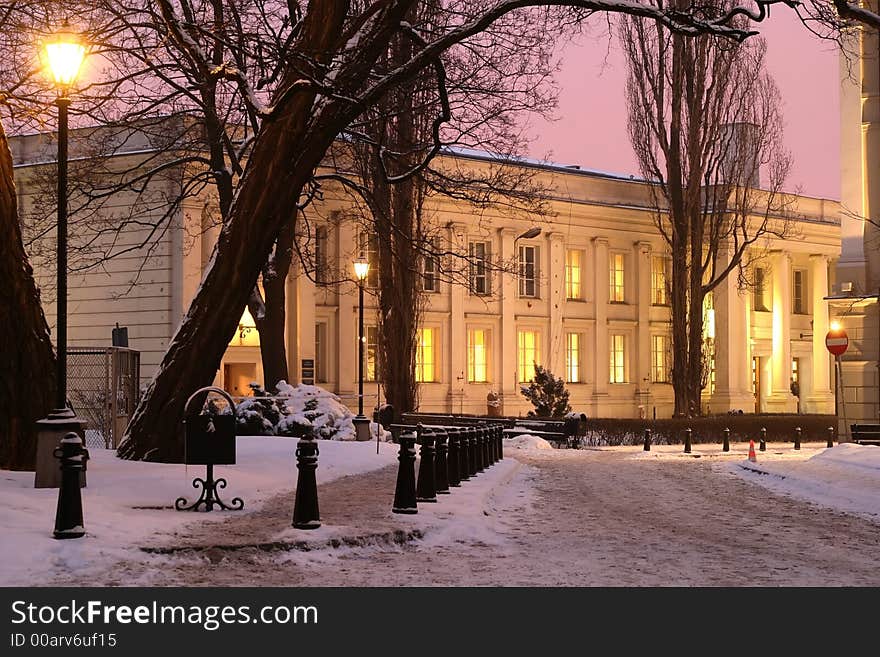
[(371, 353), (529, 354), (659, 359), (478, 253), (660, 266), (617, 344), (528, 271), (573, 260), (799, 302), (369, 247), (478, 355), (426, 356), (573, 357), (616, 292)]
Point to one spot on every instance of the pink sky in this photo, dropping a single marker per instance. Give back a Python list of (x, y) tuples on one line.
[(591, 130)]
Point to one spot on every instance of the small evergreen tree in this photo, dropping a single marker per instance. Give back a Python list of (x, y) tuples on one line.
[(547, 394)]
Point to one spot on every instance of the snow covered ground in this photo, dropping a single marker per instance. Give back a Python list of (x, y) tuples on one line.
[(127, 502)]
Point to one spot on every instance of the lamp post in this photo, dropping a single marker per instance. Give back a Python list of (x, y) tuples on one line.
[(63, 54), (361, 423)]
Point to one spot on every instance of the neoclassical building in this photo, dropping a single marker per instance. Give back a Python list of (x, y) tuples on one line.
[(587, 297)]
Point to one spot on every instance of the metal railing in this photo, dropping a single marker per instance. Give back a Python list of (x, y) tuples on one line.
[(103, 386)]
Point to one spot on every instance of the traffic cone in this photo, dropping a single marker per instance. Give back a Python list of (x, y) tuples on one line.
[(752, 456)]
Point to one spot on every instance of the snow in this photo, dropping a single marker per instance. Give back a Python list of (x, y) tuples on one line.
[(126, 503), (527, 441)]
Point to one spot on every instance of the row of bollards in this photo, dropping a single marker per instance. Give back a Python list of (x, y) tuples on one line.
[(725, 446), (448, 455)]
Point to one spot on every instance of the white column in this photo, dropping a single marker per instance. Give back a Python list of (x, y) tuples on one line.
[(556, 290), (642, 365), (600, 335), (733, 366), (301, 341), (780, 399), (508, 388), (820, 398)]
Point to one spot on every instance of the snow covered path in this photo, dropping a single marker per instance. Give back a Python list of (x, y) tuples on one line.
[(563, 517)]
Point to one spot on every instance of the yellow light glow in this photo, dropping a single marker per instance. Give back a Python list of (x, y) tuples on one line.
[(835, 326), (361, 268), (64, 54)]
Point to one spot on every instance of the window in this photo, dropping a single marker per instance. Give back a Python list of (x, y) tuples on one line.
[(479, 268), (573, 357), (430, 270), (660, 359), (478, 355), (321, 254), (371, 353), (660, 274), (617, 348), (799, 302), (616, 292), (760, 291), (573, 260), (426, 356), (796, 377), (528, 271), (321, 352), (369, 248), (528, 343)]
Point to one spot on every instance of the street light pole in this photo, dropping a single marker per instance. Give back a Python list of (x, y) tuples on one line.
[(62, 102), (361, 423)]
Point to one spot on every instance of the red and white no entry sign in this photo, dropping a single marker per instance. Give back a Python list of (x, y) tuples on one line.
[(836, 341)]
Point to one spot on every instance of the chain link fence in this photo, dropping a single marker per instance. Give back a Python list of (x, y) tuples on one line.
[(103, 386)]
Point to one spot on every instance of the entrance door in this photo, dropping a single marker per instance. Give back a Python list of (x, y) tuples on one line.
[(756, 382), (237, 376)]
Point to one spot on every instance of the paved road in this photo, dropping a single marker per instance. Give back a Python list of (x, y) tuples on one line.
[(567, 518)]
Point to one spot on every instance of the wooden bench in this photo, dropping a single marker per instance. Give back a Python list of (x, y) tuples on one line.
[(866, 434)]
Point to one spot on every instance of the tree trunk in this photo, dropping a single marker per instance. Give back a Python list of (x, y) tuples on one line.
[(27, 361), (284, 156)]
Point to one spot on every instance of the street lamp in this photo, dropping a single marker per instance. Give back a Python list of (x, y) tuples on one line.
[(531, 233), (63, 54), (361, 423)]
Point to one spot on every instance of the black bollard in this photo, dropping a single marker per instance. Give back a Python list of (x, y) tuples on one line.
[(726, 445), (69, 513), (441, 479), (830, 442), (426, 490), (479, 466), (763, 446), (797, 437), (687, 440), (305, 505), (473, 459), (647, 446), (464, 454), (405, 490), (487, 446), (453, 459), (499, 436)]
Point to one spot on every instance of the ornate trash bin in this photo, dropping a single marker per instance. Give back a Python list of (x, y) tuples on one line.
[(210, 441)]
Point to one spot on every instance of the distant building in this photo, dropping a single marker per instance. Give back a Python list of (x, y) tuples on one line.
[(590, 301)]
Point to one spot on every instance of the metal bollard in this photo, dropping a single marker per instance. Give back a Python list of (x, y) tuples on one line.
[(763, 446), (426, 490), (830, 442), (440, 464), (687, 440), (797, 437), (305, 505), (405, 490), (453, 458), (499, 436), (725, 447), (464, 454), (69, 513), (487, 446), (647, 446), (473, 456), (478, 449)]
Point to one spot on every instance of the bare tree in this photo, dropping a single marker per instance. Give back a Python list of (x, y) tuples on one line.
[(704, 121)]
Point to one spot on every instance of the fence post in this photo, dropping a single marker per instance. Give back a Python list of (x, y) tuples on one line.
[(647, 447), (797, 437), (426, 490), (726, 446), (687, 440), (830, 437), (763, 446)]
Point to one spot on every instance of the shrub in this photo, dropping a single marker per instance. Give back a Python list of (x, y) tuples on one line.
[(258, 415)]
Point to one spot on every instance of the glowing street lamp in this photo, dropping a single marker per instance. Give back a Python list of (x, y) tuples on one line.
[(63, 54), (361, 423)]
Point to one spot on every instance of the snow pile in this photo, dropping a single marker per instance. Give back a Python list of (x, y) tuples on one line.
[(329, 417), (845, 477), (128, 504), (527, 441)]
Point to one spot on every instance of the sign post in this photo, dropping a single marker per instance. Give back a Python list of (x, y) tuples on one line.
[(837, 342)]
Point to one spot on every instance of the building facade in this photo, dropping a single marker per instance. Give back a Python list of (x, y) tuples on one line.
[(587, 298)]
